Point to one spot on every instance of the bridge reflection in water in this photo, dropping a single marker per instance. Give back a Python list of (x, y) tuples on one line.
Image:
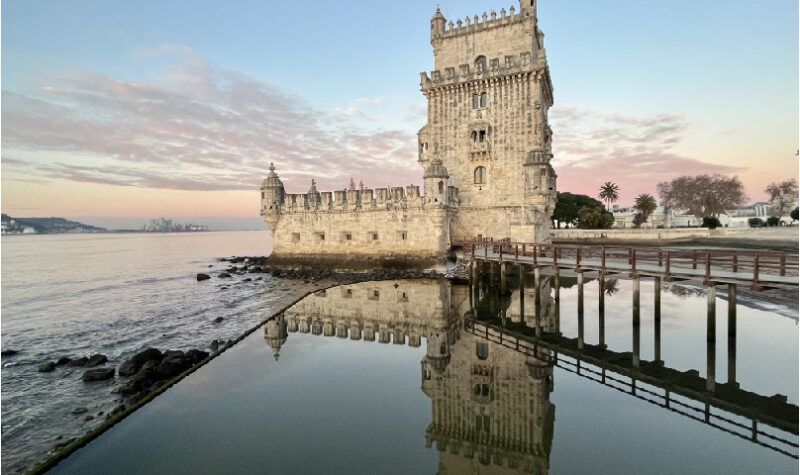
[(488, 368)]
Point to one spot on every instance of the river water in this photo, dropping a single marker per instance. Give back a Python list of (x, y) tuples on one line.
[(408, 377), (113, 294), (316, 391)]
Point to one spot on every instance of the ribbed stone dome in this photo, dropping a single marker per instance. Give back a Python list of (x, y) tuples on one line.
[(272, 180), (436, 170)]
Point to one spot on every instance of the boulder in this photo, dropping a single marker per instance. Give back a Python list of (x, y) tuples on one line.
[(223, 275), (202, 277), (96, 360), (219, 319), (80, 410), (47, 367), (63, 360), (5, 353), (134, 364), (214, 345), (98, 374), (173, 364), (247, 280), (79, 361), (196, 356)]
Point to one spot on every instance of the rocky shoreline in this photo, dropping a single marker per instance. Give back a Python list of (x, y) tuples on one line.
[(151, 370)]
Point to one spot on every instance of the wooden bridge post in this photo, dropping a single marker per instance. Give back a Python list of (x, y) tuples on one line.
[(601, 309), (557, 299), (666, 271), (783, 264), (636, 322), (603, 259), (731, 333), (657, 319), (633, 262), (707, 279), (503, 278), (694, 259), (711, 338), (537, 302), (756, 285), (522, 293), (578, 260), (580, 310)]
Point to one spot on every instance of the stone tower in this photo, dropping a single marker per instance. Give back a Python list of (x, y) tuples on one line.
[(488, 100)]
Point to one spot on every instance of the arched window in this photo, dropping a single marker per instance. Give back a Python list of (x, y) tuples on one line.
[(480, 175), (482, 350), (484, 100), (476, 101), (474, 136), (480, 64), (441, 187)]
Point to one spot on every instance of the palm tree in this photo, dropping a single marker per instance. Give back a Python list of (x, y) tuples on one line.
[(609, 193), (645, 205)]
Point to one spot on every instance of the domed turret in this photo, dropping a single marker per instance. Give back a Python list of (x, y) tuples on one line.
[(435, 179), (272, 194), (438, 23), (275, 334)]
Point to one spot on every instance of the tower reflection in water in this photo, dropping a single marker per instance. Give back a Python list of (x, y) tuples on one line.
[(491, 405)]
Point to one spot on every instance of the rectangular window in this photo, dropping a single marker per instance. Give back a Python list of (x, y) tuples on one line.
[(375, 295), (346, 236), (295, 237), (375, 236), (403, 297), (320, 237), (347, 293), (402, 235)]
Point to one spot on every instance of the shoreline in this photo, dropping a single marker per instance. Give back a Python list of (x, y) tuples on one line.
[(337, 277)]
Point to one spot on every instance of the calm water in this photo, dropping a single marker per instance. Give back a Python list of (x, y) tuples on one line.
[(113, 294), (387, 377)]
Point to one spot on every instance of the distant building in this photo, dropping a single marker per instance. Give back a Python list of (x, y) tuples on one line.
[(164, 225)]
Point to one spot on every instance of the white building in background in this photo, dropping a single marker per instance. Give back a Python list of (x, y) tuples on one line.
[(671, 218)]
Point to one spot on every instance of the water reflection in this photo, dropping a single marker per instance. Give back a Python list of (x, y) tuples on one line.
[(490, 352)]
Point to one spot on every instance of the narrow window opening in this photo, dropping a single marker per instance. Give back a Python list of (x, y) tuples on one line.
[(441, 187), (480, 175), (484, 100)]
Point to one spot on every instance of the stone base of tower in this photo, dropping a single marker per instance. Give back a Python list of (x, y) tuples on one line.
[(518, 223)]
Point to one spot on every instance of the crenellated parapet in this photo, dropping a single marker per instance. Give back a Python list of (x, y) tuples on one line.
[(484, 22), (496, 68)]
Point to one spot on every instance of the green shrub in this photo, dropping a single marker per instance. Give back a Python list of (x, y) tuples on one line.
[(756, 222)]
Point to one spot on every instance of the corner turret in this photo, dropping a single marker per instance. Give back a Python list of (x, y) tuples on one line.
[(272, 196), (435, 179), (275, 333), (438, 23)]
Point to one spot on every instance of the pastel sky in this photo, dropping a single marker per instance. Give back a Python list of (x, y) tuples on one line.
[(152, 108)]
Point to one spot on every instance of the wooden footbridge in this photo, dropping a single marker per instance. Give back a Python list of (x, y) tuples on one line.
[(708, 266)]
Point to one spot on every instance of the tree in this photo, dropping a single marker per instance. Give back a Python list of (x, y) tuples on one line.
[(704, 196), (795, 214), (595, 218), (568, 206), (609, 192), (711, 222), (756, 222), (773, 221), (645, 205), (782, 196)]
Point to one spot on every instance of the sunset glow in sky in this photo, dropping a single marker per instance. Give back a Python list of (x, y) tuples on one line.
[(151, 108)]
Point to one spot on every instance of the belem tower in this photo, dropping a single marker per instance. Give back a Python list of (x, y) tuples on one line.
[(485, 153)]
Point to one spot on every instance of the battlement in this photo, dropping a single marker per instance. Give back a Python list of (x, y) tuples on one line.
[(496, 67), (484, 22), (355, 200)]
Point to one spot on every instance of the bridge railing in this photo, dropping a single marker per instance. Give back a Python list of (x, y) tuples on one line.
[(710, 261)]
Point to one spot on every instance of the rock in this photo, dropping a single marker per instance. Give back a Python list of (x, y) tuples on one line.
[(63, 360), (80, 410), (47, 367), (202, 277), (211, 265), (6, 353), (173, 364), (223, 275), (88, 418), (214, 345), (98, 374), (79, 361), (96, 360), (134, 364), (247, 280), (196, 356), (219, 319), (259, 278)]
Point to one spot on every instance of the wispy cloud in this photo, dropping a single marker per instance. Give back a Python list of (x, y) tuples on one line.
[(198, 127), (635, 151)]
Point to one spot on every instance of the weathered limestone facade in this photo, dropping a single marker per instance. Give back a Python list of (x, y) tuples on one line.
[(485, 152)]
